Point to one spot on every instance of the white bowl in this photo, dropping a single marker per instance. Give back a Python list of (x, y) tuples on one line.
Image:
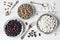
[(54, 27)]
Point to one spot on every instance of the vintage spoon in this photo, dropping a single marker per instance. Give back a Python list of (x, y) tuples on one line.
[(15, 4), (43, 4), (30, 26), (9, 12)]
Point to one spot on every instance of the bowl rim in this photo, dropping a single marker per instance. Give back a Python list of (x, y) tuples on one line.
[(54, 27), (34, 10), (23, 25)]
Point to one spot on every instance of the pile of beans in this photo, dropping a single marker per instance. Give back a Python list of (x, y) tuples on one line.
[(33, 34), (13, 28), (7, 8), (47, 23), (25, 11)]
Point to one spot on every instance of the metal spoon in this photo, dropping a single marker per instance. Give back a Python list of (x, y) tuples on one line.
[(30, 26), (43, 4), (9, 12), (15, 4)]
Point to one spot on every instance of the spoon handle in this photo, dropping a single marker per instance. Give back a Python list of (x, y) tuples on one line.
[(24, 34), (43, 4), (35, 3), (30, 26), (15, 4)]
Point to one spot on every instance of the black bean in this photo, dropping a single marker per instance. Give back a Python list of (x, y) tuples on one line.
[(35, 35), (4, 1), (29, 36), (26, 23), (4, 4), (12, 28), (39, 34), (29, 33), (9, 5), (32, 30), (7, 13)]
